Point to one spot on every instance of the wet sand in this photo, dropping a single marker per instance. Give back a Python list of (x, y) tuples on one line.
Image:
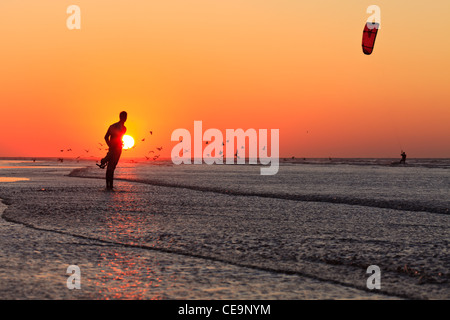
[(34, 259)]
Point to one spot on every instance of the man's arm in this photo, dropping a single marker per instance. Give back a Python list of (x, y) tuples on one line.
[(107, 136)]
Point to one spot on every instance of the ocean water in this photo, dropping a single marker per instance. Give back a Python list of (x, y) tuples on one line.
[(320, 219)]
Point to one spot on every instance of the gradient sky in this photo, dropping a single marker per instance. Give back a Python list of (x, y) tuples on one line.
[(291, 65)]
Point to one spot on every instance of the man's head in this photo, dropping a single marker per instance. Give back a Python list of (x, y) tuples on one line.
[(123, 116)]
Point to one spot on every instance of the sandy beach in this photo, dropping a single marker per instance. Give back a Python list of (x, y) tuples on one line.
[(134, 244)]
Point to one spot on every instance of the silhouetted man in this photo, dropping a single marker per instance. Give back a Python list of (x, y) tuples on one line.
[(403, 160), (113, 139)]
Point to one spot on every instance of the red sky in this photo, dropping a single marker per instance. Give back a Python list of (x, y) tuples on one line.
[(296, 66)]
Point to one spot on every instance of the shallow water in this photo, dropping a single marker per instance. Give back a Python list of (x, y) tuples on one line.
[(317, 221), (12, 179)]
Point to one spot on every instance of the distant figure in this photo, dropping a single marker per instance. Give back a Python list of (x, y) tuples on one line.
[(113, 139), (403, 160)]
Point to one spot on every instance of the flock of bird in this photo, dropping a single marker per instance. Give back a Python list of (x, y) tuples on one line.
[(147, 157), (221, 152), (103, 146)]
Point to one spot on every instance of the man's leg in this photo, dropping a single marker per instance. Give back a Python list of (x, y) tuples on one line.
[(112, 163), (109, 178)]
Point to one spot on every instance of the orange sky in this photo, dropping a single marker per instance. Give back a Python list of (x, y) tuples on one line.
[(291, 65)]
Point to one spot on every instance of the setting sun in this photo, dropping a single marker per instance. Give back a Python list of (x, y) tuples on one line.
[(128, 141)]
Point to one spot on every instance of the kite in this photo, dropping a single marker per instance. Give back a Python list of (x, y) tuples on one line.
[(369, 36)]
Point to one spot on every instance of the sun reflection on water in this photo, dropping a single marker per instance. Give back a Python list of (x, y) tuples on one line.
[(129, 274), (12, 179)]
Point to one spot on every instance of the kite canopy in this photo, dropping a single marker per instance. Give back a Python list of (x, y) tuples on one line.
[(369, 35)]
